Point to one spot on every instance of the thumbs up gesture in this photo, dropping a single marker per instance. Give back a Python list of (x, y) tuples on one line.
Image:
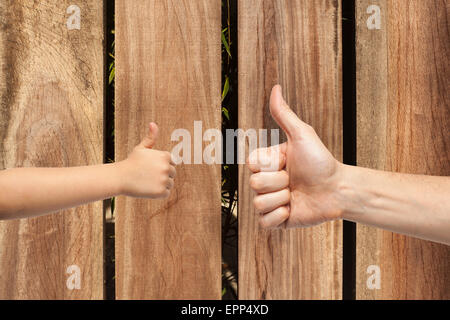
[(147, 173), (303, 190)]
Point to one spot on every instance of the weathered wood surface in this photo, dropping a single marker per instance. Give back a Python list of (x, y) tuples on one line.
[(297, 44), (403, 125), (51, 104), (168, 60)]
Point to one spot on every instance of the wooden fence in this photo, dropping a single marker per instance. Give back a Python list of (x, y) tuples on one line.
[(403, 125), (51, 89), (168, 62)]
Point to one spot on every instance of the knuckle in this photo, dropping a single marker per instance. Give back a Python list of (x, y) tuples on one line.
[(284, 179), (284, 213), (258, 204), (161, 190), (164, 180), (252, 160), (165, 168), (252, 167), (255, 183), (263, 223), (281, 226), (252, 156)]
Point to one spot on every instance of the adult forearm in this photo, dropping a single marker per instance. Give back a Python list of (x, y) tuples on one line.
[(28, 192), (414, 205)]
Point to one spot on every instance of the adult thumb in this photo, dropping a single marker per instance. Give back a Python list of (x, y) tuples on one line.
[(151, 137), (283, 114)]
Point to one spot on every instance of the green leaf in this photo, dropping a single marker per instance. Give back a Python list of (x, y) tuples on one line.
[(112, 75), (225, 42), (225, 113), (226, 88)]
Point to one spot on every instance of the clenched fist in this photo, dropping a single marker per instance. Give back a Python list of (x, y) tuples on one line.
[(300, 190), (147, 173)]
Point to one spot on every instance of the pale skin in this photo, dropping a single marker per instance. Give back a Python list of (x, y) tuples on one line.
[(31, 192), (309, 187)]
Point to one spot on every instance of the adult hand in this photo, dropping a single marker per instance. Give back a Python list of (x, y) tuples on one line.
[(303, 190)]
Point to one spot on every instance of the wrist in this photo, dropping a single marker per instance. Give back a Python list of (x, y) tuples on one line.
[(116, 178), (347, 191)]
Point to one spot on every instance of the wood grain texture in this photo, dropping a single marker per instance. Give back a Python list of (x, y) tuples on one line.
[(168, 56), (296, 43), (51, 104), (403, 78)]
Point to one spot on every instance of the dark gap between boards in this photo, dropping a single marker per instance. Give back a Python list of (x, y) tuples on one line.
[(230, 180), (349, 139), (109, 271)]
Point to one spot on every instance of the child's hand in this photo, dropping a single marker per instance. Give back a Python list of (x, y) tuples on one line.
[(147, 173)]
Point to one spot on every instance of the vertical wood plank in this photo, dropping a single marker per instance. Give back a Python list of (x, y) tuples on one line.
[(51, 104), (168, 59), (403, 125), (296, 43)]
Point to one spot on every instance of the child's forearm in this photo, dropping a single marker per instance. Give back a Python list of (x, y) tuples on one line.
[(28, 192), (409, 204)]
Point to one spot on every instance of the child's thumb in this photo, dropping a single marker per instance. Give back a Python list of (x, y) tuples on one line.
[(151, 137)]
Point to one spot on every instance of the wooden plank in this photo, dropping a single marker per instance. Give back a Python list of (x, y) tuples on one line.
[(297, 44), (403, 125), (168, 59), (51, 104)]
